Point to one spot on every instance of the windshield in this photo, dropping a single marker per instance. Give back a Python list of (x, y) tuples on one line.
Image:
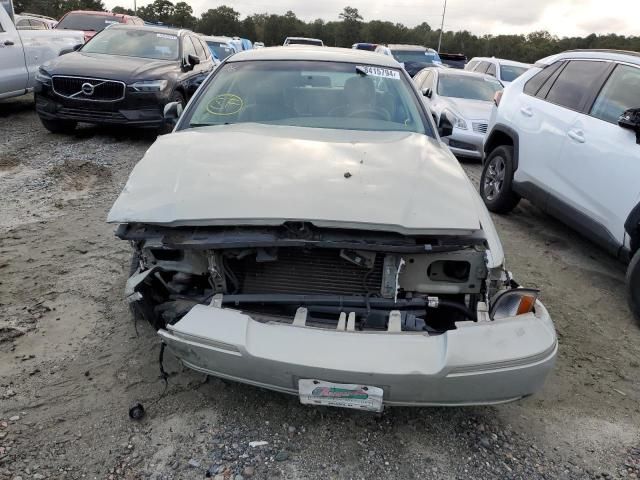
[(82, 21), (134, 43), (404, 56), (303, 41), (220, 50), (312, 94), (469, 87), (508, 73)]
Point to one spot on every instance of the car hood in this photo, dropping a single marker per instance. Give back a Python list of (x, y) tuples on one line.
[(254, 174), (110, 67), (472, 109)]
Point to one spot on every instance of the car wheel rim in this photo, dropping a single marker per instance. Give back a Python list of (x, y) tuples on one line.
[(494, 178)]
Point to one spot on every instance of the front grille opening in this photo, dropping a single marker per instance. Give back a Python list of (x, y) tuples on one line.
[(307, 272)]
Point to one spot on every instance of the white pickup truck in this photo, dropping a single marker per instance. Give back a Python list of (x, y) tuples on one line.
[(22, 52)]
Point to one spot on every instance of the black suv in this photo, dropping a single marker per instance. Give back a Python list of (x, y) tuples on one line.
[(125, 75)]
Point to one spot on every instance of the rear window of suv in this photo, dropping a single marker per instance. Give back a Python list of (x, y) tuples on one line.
[(86, 22)]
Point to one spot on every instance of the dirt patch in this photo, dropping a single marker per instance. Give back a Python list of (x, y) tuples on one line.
[(8, 334), (8, 163), (79, 175)]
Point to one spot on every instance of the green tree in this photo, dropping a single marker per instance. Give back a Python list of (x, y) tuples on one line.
[(182, 16), (223, 20), (350, 30), (123, 11)]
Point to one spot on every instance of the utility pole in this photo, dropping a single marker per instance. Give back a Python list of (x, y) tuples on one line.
[(444, 12), (135, 8)]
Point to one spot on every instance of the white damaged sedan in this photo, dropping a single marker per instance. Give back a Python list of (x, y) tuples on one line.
[(305, 230)]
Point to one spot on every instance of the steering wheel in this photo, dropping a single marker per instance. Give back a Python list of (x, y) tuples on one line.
[(371, 112)]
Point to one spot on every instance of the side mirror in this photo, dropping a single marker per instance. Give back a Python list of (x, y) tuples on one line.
[(427, 92), (172, 112), (445, 127), (630, 119), (75, 48), (192, 61)]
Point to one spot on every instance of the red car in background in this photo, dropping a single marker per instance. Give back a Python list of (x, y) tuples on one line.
[(92, 22)]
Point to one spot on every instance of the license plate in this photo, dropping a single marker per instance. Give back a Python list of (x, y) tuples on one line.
[(359, 397)]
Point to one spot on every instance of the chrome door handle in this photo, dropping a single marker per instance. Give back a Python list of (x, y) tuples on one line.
[(526, 111), (577, 135)]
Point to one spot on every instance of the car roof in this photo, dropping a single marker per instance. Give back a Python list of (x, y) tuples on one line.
[(313, 53), (96, 12), (149, 28), (501, 61), (615, 55), (400, 46), (455, 72)]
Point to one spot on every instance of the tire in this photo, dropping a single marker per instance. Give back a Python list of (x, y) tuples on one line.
[(59, 126), (175, 97), (633, 286), (496, 181)]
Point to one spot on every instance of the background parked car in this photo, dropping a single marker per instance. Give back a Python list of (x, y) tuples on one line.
[(23, 51), (258, 45), (454, 60), (91, 22), (466, 99), (412, 57), (566, 136), (303, 41), (370, 47), (504, 70), (220, 47), (124, 76), (30, 21)]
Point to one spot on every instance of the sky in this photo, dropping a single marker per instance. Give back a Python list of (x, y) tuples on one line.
[(560, 17)]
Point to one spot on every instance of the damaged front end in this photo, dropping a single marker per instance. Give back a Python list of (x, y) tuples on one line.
[(280, 307)]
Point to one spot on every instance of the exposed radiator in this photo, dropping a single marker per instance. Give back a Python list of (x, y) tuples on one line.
[(318, 271)]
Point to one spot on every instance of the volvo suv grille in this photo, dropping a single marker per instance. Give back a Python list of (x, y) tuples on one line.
[(93, 89)]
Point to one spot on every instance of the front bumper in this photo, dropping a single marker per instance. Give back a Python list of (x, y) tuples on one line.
[(466, 143), (478, 363), (139, 112)]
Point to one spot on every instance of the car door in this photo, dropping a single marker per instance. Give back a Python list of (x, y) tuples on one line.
[(13, 72), (545, 122), (599, 172)]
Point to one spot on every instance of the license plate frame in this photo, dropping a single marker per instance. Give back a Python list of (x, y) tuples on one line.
[(341, 395)]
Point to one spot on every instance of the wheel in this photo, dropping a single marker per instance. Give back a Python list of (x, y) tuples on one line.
[(633, 285), (176, 97), (59, 126), (496, 181)]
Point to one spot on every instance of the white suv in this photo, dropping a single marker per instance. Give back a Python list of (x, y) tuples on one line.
[(504, 70), (566, 136)]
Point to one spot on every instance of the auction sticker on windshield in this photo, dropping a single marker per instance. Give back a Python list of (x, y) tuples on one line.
[(166, 37), (358, 397), (379, 72)]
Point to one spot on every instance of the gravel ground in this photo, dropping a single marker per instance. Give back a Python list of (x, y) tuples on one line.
[(71, 363)]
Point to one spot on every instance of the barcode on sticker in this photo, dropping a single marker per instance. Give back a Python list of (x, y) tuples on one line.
[(379, 72)]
